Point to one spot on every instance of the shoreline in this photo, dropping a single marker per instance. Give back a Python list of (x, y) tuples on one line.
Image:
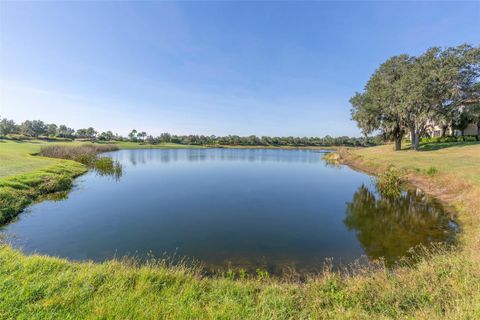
[(442, 284), (452, 192)]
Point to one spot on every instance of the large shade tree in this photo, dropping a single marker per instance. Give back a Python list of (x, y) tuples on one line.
[(437, 84), (379, 107), (412, 93)]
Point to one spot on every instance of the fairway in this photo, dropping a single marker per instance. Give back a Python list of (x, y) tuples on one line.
[(16, 157)]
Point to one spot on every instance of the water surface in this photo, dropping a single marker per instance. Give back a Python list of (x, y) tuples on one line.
[(247, 208)]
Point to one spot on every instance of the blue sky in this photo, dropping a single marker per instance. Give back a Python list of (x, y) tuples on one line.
[(264, 68)]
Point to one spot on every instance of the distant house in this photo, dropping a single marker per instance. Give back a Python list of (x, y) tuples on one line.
[(435, 130)]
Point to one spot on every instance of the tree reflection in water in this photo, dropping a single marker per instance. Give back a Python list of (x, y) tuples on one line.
[(388, 227)]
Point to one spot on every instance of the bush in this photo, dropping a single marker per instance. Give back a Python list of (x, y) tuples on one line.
[(447, 139), (470, 138), (430, 140), (389, 182)]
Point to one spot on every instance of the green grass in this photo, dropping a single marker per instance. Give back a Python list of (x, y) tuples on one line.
[(17, 156), (442, 285), (39, 287), (460, 158)]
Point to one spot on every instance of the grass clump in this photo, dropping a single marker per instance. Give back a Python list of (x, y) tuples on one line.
[(85, 154), (431, 171), (107, 166), (389, 183)]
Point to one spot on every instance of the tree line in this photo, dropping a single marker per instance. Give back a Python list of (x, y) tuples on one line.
[(38, 128), (408, 94)]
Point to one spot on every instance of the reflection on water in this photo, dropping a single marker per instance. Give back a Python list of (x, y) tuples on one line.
[(205, 155), (389, 227), (105, 166), (244, 208)]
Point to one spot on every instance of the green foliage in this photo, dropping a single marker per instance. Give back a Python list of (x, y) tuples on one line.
[(431, 171), (448, 139), (262, 274), (107, 166), (389, 182), (388, 227), (409, 92), (379, 107)]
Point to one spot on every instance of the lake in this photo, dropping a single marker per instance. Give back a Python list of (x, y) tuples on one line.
[(250, 208)]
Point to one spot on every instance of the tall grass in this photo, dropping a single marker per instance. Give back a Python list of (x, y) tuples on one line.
[(441, 285), (85, 154)]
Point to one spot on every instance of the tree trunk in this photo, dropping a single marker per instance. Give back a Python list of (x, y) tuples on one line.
[(398, 143), (413, 137), (444, 131), (416, 142)]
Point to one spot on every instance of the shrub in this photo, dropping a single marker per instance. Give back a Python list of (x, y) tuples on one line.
[(388, 183), (447, 139), (430, 140), (470, 138)]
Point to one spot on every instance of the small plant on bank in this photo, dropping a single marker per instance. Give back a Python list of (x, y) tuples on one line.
[(389, 182), (262, 274), (432, 171), (107, 166)]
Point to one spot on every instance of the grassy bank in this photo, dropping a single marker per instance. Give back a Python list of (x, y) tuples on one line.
[(448, 171), (442, 285), (25, 178)]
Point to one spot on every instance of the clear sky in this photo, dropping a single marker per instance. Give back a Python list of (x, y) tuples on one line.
[(264, 68)]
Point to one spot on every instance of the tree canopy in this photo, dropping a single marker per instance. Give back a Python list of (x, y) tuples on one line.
[(409, 93)]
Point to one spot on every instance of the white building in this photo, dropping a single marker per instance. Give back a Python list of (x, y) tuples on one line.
[(434, 130)]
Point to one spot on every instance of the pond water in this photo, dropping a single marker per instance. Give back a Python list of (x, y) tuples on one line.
[(249, 208)]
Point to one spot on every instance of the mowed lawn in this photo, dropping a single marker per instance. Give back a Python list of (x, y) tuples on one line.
[(18, 157), (460, 159)]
